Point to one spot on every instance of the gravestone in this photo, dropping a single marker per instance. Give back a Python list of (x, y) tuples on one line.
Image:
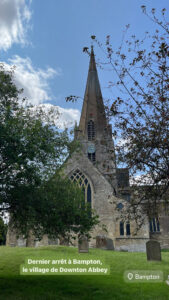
[(153, 250), (64, 242), (104, 243), (83, 244), (30, 241)]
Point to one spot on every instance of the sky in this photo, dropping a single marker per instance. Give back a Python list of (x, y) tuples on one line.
[(44, 39)]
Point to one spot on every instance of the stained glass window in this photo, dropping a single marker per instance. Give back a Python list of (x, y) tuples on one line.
[(83, 182)]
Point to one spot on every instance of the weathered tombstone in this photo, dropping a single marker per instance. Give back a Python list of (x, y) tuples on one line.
[(30, 241), (104, 243), (153, 250), (53, 241), (110, 245), (100, 242), (83, 244), (64, 241)]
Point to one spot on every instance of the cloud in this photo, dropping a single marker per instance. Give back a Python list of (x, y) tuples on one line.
[(15, 16), (62, 117), (142, 179), (35, 82), (122, 142), (35, 85)]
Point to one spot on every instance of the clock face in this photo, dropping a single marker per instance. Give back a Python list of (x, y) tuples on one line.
[(91, 148)]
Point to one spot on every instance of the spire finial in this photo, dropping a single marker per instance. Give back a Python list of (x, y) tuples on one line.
[(92, 50), (92, 66)]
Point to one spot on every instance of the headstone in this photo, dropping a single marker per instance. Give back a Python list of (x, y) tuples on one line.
[(83, 244), (53, 241), (101, 242), (110, 245), (104, 243), (21, 242), (30, 241), (64, 242), (153, 250)]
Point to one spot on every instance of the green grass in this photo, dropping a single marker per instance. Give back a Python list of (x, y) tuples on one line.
[(14, 286)]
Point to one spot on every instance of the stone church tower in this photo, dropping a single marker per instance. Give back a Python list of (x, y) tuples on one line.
[(94, 168)]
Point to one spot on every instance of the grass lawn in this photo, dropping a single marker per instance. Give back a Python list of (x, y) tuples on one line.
[(15, 286)]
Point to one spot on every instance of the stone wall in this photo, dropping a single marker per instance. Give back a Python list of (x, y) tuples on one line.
[(131, 244), (163, 235), (105, 204)]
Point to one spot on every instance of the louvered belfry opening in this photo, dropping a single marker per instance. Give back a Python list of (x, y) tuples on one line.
[(91, 130), (92, 156)]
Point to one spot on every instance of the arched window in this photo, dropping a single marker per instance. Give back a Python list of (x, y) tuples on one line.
[(154, 225), (158, 225), (121, 228), (128, 229), (83, 182), (125, 228), (91, 130)]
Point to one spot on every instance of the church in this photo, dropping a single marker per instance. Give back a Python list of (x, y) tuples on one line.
[(94, 166), (106, 187)]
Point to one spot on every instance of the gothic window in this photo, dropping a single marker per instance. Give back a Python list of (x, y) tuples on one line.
[(158, 225), (128, 229), (150, 226), (91, 130), (92, 156), (121, 228), (124, 228), (154, 225), (83, 182)]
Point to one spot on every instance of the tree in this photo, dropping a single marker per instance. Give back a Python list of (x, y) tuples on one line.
[(3, 231), (32, 151), (140, 111), (56, 208)]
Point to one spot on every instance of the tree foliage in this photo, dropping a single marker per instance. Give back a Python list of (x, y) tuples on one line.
[(32, 150), (56, 208), (140, 111)]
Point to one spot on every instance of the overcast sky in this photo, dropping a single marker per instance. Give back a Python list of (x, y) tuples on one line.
[(44, 40)]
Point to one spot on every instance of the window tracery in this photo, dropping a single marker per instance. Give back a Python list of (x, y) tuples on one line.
[(83, 182)]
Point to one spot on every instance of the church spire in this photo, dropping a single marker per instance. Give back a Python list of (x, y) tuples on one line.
[(93, 107), (92, 65), (94, 132)]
